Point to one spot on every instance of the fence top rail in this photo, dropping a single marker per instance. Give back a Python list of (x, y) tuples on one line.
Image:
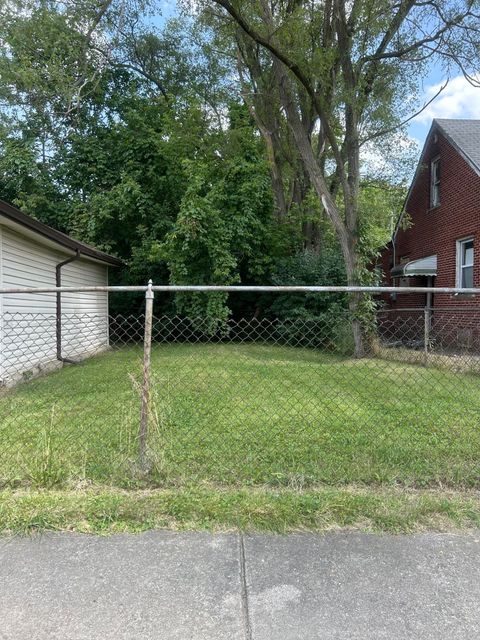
[(241, 289), (432, 309)]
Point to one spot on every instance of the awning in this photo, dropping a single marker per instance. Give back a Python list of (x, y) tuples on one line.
[(422, 267)]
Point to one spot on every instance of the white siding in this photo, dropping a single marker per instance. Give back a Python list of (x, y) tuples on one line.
[(28, 343), (2, 373), (84, 315)]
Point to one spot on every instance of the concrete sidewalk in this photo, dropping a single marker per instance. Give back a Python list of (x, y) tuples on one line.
[(259, 587)]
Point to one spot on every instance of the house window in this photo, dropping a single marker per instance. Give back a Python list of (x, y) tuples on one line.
[(435, 183), (465, 263)]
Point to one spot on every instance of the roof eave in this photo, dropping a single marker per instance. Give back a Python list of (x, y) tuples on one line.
[(433, 126), (15, 215)]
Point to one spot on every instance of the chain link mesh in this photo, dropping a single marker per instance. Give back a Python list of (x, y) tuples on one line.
[(246, 401)]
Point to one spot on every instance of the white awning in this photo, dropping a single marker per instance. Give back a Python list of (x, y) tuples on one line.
[(421, 267)]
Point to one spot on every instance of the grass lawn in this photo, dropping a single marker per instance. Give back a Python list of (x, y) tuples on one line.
[(266, 420)]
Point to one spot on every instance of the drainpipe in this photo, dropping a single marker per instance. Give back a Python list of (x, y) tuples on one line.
[(58, 282)]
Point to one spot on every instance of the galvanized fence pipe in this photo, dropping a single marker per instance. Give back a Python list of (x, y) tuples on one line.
[(146, 381), (242, 289), (426, 337)]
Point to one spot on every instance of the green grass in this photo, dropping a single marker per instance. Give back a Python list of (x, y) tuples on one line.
[(244, 415), (108, 511)]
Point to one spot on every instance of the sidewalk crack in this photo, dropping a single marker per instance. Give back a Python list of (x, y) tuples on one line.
[(244, 589)]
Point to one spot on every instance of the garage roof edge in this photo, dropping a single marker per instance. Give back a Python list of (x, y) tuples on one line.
[(15, 215)]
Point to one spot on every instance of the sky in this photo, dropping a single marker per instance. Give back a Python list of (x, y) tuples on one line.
[(168, 9), (459, 99)]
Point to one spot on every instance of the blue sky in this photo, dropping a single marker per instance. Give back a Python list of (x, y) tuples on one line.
[(458, 100), (168, 9)]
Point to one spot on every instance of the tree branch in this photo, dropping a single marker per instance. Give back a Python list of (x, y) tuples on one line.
[(384, 132), (292, 66)]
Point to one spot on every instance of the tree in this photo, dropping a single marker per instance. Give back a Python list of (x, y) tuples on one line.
[(225, 230), (49, 74), (148, 153), (255, 84), (88, 144), (351, 68)]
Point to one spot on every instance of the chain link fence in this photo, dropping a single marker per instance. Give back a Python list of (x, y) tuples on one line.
[(162, 400)]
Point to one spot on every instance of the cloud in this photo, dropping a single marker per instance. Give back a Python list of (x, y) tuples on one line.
[(459, 99)]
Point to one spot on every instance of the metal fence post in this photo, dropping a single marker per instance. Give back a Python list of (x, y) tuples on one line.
[(427, 321), (147, 358), (426, 336)]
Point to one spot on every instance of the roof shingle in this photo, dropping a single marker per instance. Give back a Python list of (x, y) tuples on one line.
[(465, 136)]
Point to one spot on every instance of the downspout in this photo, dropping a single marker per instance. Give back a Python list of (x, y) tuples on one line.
[(58, 282)]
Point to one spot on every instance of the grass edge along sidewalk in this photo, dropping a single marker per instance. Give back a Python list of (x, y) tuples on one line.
[(108, 511)]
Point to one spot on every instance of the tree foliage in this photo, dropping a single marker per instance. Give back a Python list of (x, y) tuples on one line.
[(227, 147), (343, 74)]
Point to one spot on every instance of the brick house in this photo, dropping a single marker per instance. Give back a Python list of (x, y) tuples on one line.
[(436, 241)]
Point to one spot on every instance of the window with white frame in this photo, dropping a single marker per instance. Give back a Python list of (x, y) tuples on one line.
[(465, 263), (435, 182)]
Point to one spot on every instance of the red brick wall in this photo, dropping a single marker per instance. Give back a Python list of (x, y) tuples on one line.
[(435, 231), (456, 329)]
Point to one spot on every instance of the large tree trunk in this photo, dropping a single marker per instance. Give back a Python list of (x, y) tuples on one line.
[(352, 257), (355, 299), (275, 175), (345, 226)]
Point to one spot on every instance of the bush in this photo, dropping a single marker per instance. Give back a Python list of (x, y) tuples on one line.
[(312, 319)]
